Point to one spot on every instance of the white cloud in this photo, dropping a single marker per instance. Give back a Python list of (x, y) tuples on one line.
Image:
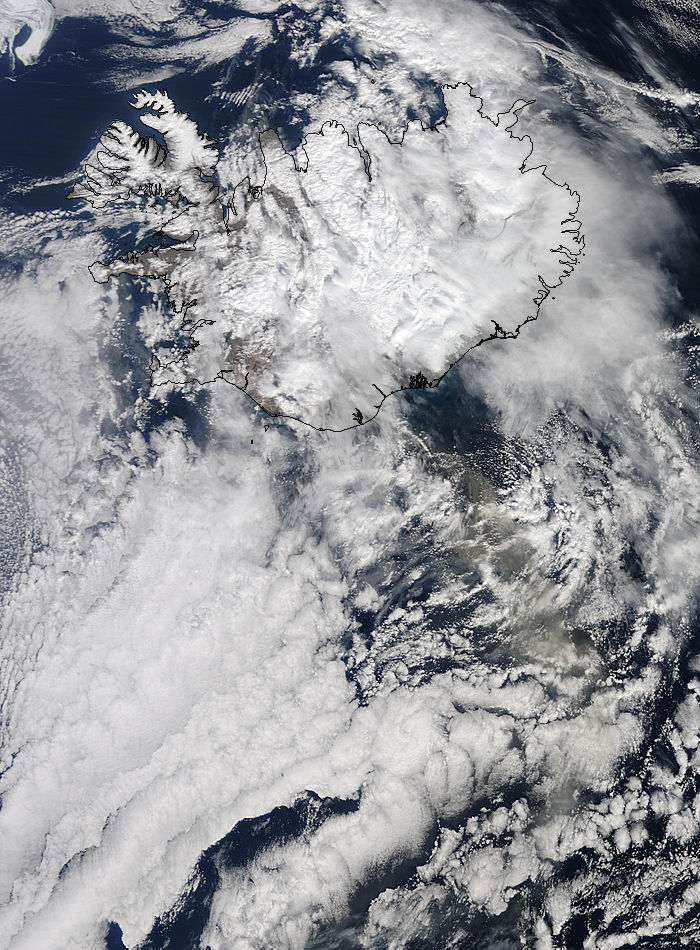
[(150, 12), (175, 651), (37, 15), (342, 284)]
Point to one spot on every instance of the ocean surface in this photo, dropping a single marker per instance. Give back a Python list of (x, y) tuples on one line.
[(433, 683)]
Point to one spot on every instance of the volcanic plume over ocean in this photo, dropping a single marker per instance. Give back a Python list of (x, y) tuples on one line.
[(348, 458)]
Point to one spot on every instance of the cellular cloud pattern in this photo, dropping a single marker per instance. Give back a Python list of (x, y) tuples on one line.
[(432, 681)]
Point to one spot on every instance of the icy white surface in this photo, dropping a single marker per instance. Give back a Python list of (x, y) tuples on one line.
[(348, 272), (170, 34), (152, 12), (38, 15), (174, 649)]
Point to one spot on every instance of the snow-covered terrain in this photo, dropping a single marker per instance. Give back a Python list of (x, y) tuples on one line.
[(429, 682), (15, 15), (355, 268)]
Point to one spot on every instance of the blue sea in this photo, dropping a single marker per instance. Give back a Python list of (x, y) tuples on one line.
[(53, 114)]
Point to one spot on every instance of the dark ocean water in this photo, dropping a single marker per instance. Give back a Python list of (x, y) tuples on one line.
[(604, 31), (58, 105), (57, 109)]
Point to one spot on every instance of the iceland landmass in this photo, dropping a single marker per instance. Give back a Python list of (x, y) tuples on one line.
[(356, 268)]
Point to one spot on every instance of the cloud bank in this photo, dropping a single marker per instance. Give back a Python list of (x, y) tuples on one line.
[(472, 620)]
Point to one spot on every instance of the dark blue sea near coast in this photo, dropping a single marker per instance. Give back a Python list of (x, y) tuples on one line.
[(556, 527)]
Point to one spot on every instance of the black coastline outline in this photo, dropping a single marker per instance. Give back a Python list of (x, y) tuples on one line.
[(417, 381)]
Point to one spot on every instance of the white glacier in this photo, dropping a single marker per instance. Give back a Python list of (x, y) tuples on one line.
[(358, 267), (174, 652), (37, 15)]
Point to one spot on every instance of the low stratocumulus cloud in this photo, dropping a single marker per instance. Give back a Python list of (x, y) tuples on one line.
[(184, 645)]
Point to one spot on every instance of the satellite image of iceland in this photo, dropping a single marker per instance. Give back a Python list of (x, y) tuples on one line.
[(349, 475)]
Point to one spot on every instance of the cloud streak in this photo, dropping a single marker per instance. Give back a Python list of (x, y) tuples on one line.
[(201, 630)]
